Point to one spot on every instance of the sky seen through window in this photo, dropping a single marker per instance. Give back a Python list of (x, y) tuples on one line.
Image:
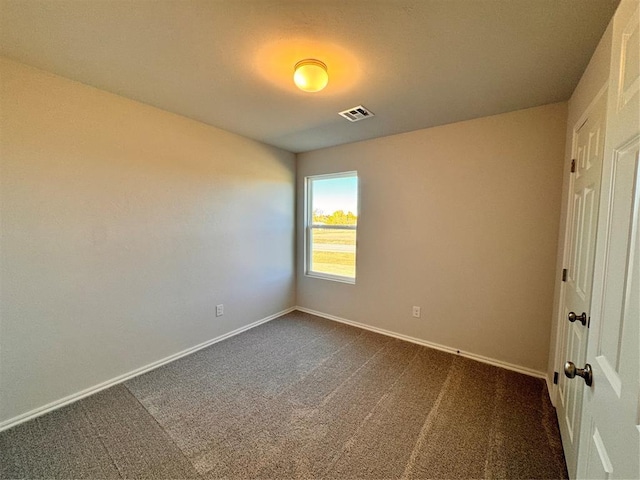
[(335, 194)]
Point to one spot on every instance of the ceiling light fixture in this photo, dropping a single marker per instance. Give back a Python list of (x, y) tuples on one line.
[(310, 75)]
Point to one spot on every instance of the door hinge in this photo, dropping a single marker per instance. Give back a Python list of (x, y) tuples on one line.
[(564, 274), (555, 378), (573, 165)]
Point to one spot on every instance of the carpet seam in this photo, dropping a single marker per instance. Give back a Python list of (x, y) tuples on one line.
[(315, 340), (370, 414), (247, 419), (95, 431), (244, 421), (332, 393), (168, 435), (428, 422), (295, 348), (241, 422), (358, 338), (499, 392), (332, 354)]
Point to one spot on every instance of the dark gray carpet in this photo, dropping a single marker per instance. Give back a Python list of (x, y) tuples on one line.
[(300, 397)]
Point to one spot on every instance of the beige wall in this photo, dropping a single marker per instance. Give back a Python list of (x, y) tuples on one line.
[(461, 220), (595, 77), (122, 227)]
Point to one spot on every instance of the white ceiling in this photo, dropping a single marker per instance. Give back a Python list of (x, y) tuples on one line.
[(229, 63)]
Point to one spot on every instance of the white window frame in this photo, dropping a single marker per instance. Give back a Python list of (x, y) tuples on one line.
[(308, 222)]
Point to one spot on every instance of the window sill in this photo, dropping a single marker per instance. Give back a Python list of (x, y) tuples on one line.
[(333, 278)]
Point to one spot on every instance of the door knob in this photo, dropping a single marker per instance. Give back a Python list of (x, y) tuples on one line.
[(571, 371), (581, 318)]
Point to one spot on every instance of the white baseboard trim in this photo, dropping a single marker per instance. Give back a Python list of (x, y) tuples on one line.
[(444, 348), (12, 422)]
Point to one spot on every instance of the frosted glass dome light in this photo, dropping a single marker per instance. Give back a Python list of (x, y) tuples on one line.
[(310, 75)]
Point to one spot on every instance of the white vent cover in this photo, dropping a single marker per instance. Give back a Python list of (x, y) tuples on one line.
[(356, 113)]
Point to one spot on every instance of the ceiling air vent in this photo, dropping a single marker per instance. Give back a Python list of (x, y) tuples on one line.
[(356, 113)]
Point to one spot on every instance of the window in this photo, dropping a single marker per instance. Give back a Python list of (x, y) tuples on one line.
[(331, 226)]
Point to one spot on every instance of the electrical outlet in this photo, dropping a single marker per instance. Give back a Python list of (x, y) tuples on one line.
[(219, 310), (416, 312)]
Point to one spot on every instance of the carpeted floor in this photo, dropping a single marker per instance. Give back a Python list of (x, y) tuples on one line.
[(300, 397)]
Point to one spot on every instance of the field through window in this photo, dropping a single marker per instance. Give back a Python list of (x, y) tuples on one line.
[(334, 251)]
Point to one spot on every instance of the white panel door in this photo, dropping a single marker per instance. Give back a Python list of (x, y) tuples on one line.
[(610, 433), (584, 191)]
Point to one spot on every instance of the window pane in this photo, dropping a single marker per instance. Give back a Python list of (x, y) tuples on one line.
[(335, 200), (332, 202), (333, 252)]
